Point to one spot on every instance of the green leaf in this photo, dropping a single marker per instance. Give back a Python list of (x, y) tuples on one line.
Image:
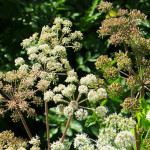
[(85, 68), (79, 59), (69, 131), (90, 121), (53, 131), (88, 54), (95, 130), (75, 125)]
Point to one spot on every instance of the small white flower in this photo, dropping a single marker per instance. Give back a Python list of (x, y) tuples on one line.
[(57, 98), (81, 140), (83, 89), (31, 50), (60, 109), (108, 147), (21, 148), (68, 111), (93, 96), (35, 141), (90, 80), (148, 116), (102, 93), (101, 111), (19, 61), (71, 79), (48, 95), (23, 67), (124, 139), (81, 114)]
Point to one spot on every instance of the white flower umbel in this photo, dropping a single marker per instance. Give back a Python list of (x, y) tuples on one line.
[(81, 114), (69, 90), (90, 80), (93, 96), (59, 88), (21, 148), (57, 98), (124, 139), (102, 93), (71, 79), (81, 140), (105, 137), (68, 111), (19, 61), (148, 116), (101, 111), (60, 109), (48, 95), (57, 146), (35, 141), (31, 50), (61, 146), (23, 67), (108, 147), (83, 89), (87, 147)]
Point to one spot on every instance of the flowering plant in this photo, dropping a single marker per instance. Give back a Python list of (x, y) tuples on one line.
[(82, 99)]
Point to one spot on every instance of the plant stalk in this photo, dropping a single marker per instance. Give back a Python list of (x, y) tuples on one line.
[(47, 125), (67, 125), (24, 124)]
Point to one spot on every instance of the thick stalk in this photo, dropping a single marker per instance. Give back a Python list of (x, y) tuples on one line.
[(135, 136), (67, 125), (47, 125), (24, 124)]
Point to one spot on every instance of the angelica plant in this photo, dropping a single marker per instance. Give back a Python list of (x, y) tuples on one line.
[(130, 63), (48, 56)]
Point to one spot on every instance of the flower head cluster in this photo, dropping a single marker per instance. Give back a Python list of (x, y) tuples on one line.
[(61, 146), (105, 6), (124, 29), (124, 139), (10, 142), (35, 142), (17, 90), (123, 61), (81, 140), (102, 61), (116, 134), (115, 89), (111, 73), (130, 104)]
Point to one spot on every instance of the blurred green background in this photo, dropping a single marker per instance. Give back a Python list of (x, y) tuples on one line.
[(19, 19)]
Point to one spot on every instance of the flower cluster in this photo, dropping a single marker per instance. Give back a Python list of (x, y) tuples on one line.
[(116, 134), (61, 146), (87, 91), (9, 142), (105, 6)]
